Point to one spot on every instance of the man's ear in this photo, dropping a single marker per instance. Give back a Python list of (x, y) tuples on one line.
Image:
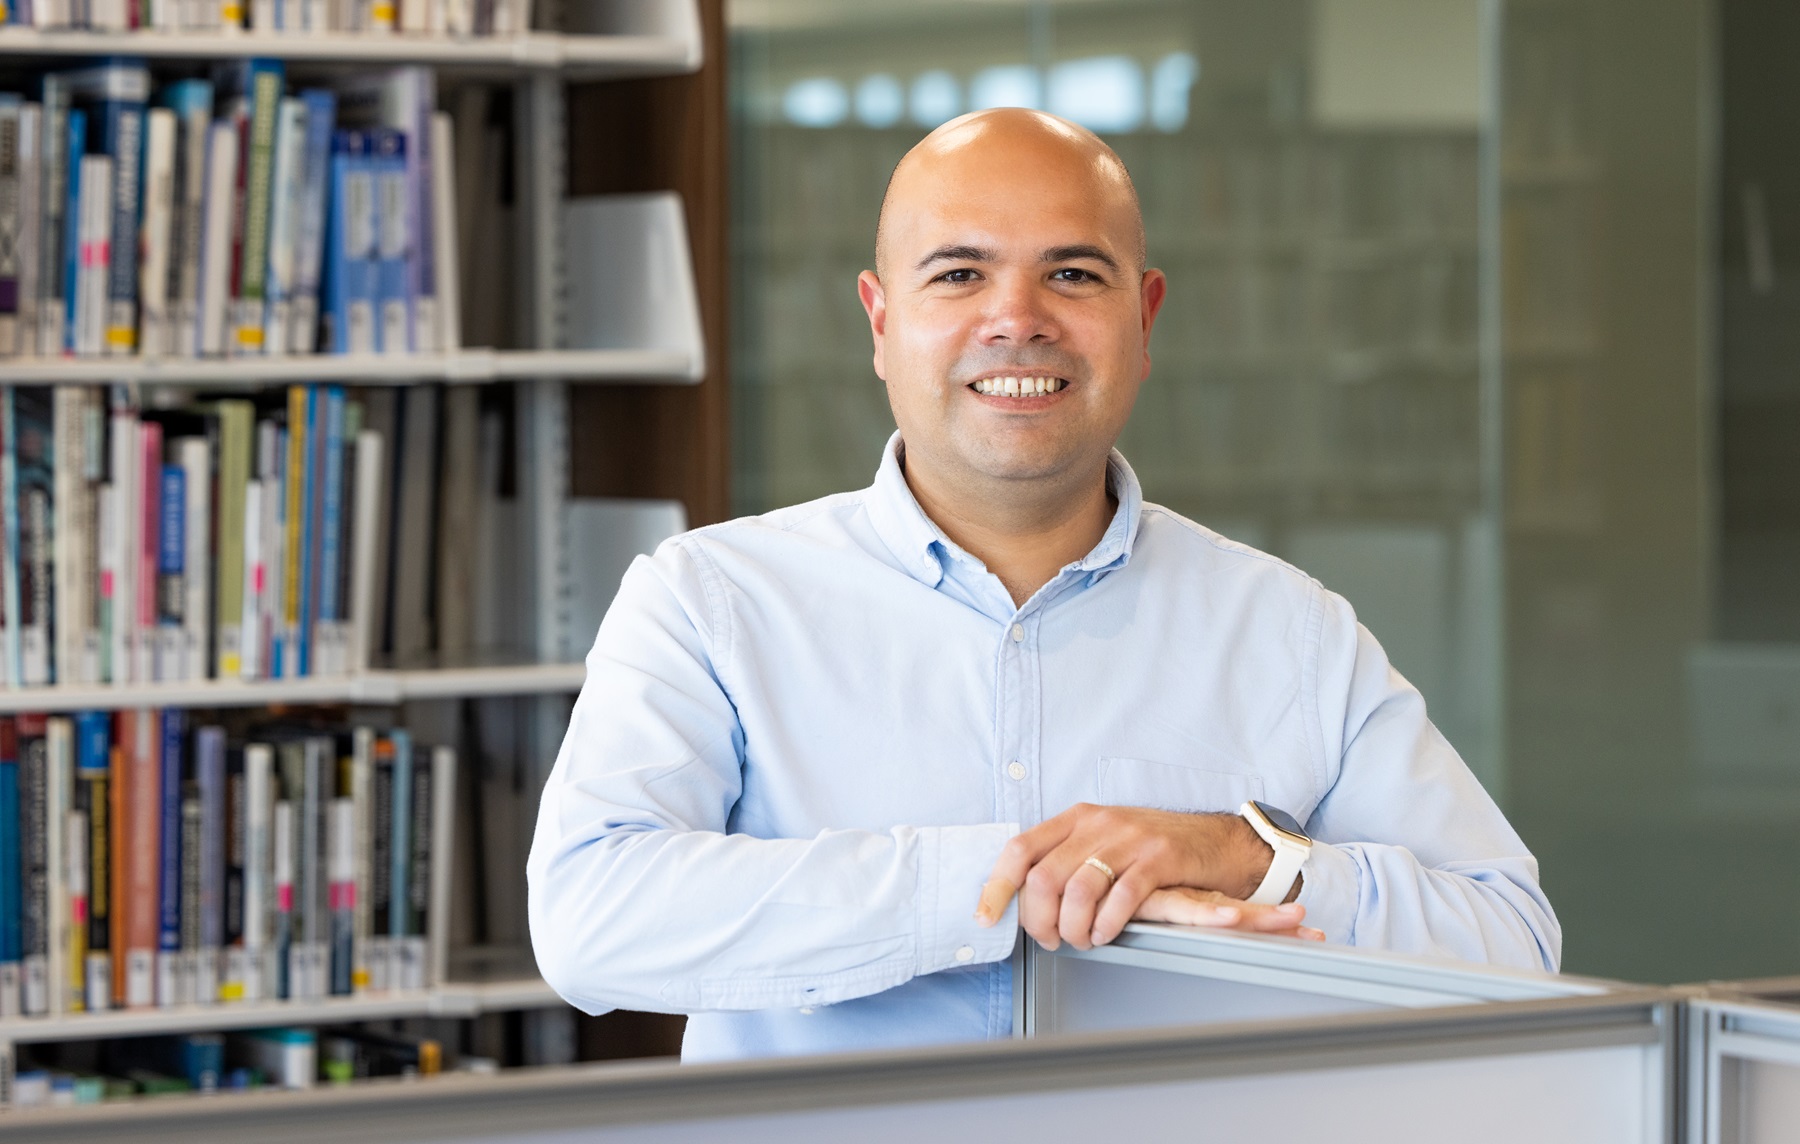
[(874, 300), (1153, 290)]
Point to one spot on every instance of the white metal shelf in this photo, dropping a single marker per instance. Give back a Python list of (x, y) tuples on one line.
[(450, 1000), (371, 687), (575, 56), (474, 365)]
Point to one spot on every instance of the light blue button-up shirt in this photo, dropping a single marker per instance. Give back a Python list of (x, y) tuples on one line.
[(805, 736)]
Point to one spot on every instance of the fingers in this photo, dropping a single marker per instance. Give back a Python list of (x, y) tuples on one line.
[(1041, 897), (1121, 905), (1018, 858), (1086, 888), (1182, 906)]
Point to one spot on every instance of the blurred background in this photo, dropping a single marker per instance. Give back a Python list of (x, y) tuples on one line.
[(1485, 312)]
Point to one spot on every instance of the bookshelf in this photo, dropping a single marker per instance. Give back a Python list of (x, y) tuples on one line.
[(567, 337)]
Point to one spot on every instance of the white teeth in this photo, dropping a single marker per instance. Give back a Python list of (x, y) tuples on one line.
[(1019, 386)]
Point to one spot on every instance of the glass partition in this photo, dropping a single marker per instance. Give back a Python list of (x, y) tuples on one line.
[(1480, 311)]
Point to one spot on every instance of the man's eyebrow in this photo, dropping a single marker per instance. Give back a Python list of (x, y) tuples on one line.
[(957, 254), (1080, 251)]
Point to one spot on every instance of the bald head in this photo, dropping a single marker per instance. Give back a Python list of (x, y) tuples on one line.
[(1016, 147)]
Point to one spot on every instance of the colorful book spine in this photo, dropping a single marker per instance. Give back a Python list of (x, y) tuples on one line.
[(192, 102), (171, 579), (321, 121), (328, 627), (341, 874), (169, 968), (400, 861), (141, 853), (94, 246), (12, 587), (300, 400), (148, 536), (349, 272), (11, 222), (75, 150), (34, 862), (262, 85), (32, 445), (209, 760), (195, 456), (287, 193), (379, 955), (31, 236), (237, 427), (395, 239), (11, 876), (93, 798), (259, 871), (59, 752), (119, 93), (52, 307)]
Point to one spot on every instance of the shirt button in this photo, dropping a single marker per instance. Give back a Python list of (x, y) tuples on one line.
[(966, 953), (1018, 633), (806, 1010), (1016, 770)]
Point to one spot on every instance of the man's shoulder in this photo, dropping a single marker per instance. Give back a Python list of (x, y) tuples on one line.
[(1189, 541)]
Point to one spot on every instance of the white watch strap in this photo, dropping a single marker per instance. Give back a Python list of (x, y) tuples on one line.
[(1289, 857)]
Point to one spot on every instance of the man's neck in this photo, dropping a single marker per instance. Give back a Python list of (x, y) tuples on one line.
[(1025, 532)]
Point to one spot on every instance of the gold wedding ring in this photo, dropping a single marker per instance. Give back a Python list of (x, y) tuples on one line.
[(1094, 861)]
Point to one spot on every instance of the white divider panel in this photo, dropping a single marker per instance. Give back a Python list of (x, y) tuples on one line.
[(631, 276), (1744, 1066)]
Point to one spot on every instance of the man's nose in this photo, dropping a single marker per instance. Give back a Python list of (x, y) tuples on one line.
[(1018, 312)]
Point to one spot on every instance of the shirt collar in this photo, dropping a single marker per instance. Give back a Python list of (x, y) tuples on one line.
[(922, 547)]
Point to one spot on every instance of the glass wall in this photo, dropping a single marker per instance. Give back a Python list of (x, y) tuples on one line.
[(1438, 332)]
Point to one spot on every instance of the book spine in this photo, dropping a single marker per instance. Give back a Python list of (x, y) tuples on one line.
[(149, 535), (187, 956), (11, 876), (236, 428), (341, 871), (84, 549), (52, 257), (75, 853), (288, 193), (11, 224), (283, 946), (59, 751), (274, 533), (142, 854), (209, 749), (192, 101), (69, 431), (366, 539), (438, 861), (251, 640), (421, 805), (231, 932), (300, 399), (196, 458), (326, 627), (310, 882), (259, 870), (160, 215), (395, 241), (34, 859), (264, 89), (32, 431), (94, 757), (171, 577), (399, 894), (75, 150), (123, 125), (216, 237), (362, 830), (168, 894), (350, 258), (94, 278), (321, 120), (31, 232), (119, 555), (11, 585), (381, 866), (446, 258)]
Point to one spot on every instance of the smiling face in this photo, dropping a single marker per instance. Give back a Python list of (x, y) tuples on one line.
[(1011, 313)]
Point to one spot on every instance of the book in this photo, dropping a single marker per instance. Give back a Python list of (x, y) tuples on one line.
[(237, 427), (214, 296), (402, 970), (348, 308), (287, 192), (296, 524), (395, 238), (437, 866), (171, 575), (261, 82), (148, 536), (160, 233), (31, 236), (447, 264), (209, 757), (328, 625), (34, 863), (118, 93), (371, 486), (141, 851), (53, 286), (11, 877), (379, 955), (93, 244), (59, 755), (12, 222), (119, 542), (93, 799), (172, 982), (321, 123), (72, 533), (259, 872), (31, 442), (195, 457), (12, 587), (191, 100)]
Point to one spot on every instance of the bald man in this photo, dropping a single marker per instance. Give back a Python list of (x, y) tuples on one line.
[(829, 761)]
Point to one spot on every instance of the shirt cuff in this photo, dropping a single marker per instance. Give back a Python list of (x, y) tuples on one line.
[(1330, 891), (954, 863)]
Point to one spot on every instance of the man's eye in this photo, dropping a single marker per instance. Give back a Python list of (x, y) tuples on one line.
[(957, 277), (1074, 274)]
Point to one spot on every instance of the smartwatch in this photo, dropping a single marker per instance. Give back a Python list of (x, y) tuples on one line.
[(1291, 846)]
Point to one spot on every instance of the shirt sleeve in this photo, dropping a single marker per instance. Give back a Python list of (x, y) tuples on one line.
[(1412, 854), (641, 898)]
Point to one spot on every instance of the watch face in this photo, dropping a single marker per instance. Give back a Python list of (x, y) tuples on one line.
[(1283, 821)]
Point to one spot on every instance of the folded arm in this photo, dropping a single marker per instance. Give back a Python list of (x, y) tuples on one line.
[(641, 898)]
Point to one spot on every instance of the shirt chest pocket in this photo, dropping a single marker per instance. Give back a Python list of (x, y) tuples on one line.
[(1165, 786)]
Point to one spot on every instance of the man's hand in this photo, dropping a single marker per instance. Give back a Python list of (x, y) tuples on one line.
[(1064, 898), (1181, 906)]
